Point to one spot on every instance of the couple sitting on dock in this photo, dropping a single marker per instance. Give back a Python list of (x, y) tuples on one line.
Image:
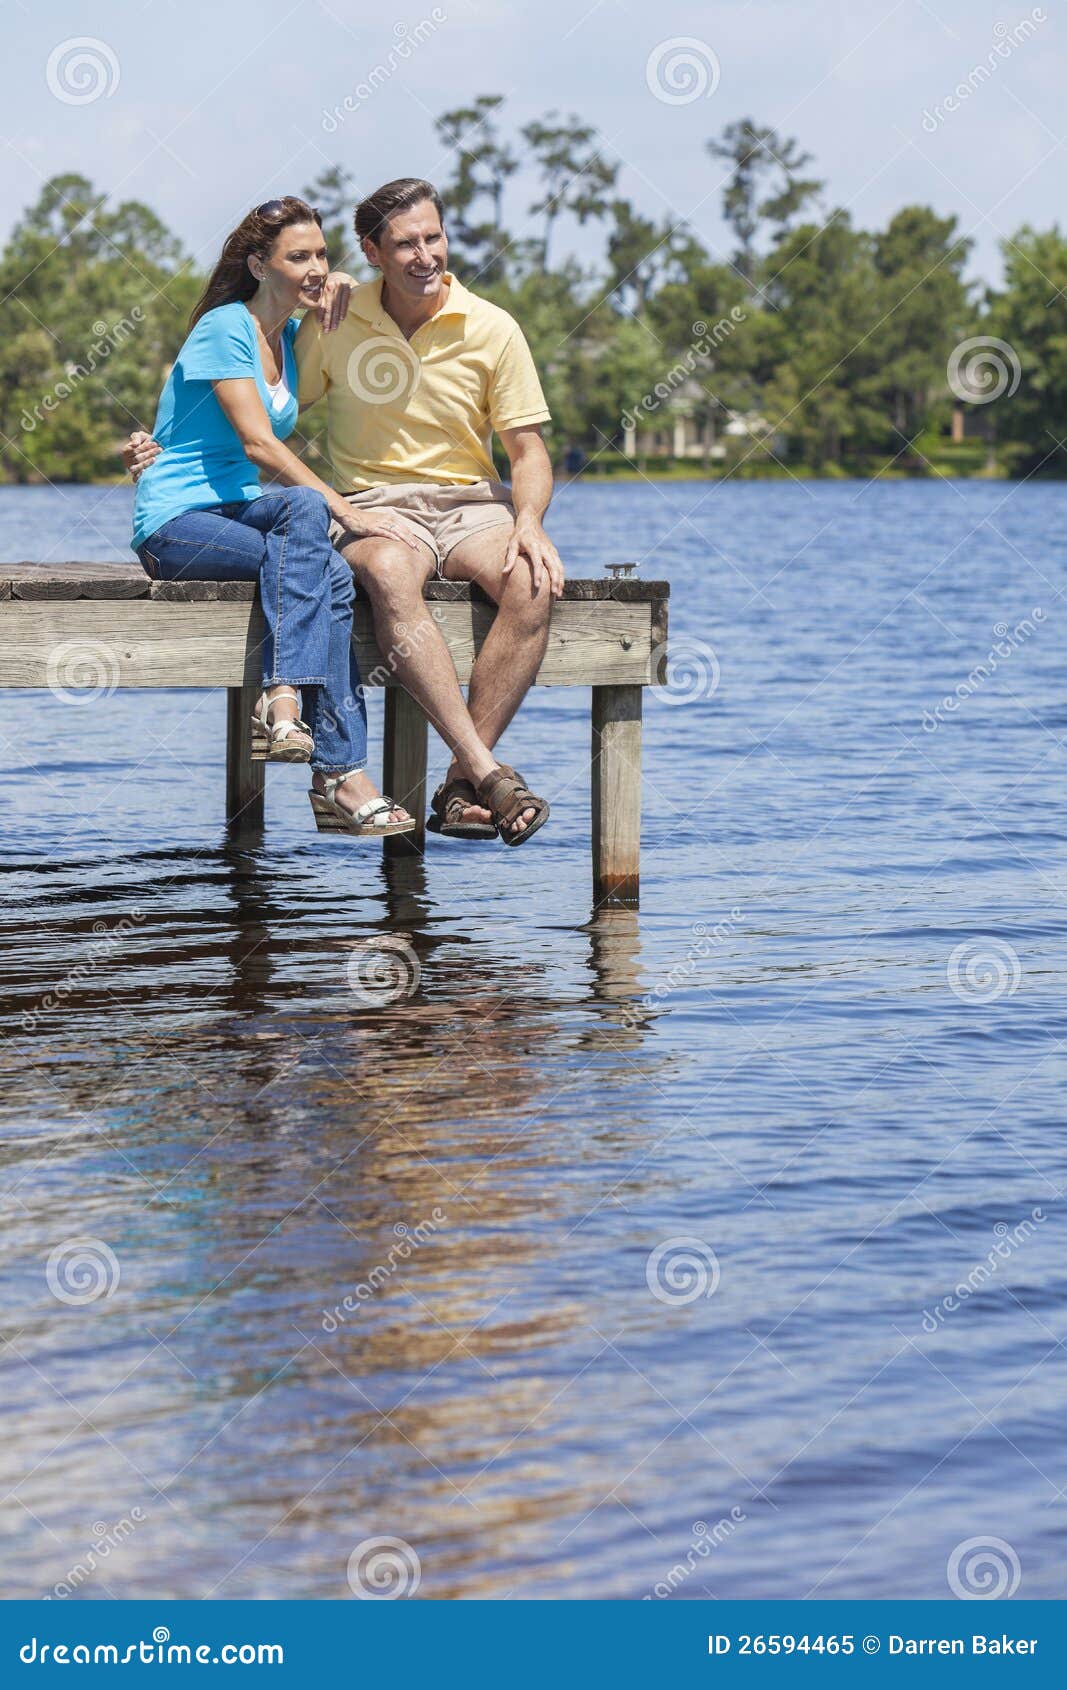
[(417, 372)]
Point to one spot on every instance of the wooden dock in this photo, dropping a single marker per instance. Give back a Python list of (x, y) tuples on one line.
[(609, 635)]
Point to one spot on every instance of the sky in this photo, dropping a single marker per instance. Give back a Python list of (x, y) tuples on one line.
[(203, 108)]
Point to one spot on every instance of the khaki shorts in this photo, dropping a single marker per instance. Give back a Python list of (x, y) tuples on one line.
[(440, 516)]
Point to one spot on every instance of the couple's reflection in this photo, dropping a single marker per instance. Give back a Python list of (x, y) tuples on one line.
[(464, 982)]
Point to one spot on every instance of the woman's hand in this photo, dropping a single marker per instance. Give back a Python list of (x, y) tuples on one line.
[(367, 524), (139, 451), (333, 306)]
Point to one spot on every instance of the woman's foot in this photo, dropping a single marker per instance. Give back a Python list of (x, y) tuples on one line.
[(281, 704), (356, 790)]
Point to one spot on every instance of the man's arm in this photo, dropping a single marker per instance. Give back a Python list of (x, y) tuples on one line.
[(531, 491)]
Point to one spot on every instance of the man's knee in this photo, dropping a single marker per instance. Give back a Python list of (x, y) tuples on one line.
[(388, 570), (524, 600)]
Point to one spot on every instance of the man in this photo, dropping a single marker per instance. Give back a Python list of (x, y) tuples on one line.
[(416, 378)]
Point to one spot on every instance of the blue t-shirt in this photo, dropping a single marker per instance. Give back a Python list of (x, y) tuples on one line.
[(202, 462)]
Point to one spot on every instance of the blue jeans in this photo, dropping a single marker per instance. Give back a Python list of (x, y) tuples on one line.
[(282, 541)]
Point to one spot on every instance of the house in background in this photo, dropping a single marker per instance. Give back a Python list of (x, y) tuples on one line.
[(692, 427)]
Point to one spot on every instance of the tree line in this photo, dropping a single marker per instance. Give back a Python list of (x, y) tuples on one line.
[(813, 346)]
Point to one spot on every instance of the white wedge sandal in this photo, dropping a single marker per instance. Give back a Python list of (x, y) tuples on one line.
[(270, 739), (332, 817)]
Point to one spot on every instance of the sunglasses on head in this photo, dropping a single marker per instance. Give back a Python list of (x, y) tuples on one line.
[(276, 208)]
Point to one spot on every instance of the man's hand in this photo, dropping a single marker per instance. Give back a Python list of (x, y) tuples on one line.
[(531, 542), (332, 308), (139, 451)]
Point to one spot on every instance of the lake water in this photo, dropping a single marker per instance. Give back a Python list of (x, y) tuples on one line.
[(712, 1249)]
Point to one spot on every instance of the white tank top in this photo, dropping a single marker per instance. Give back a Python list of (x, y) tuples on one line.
[(279, 391)]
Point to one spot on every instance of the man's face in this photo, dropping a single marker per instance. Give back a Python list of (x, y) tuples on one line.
[(412, 254)]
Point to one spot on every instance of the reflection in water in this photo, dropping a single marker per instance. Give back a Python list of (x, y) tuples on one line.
[(330, 1215)]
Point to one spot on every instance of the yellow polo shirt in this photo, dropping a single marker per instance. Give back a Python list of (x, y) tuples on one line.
[(424, 409)]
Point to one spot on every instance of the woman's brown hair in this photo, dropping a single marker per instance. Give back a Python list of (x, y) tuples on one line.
[(231, 279)]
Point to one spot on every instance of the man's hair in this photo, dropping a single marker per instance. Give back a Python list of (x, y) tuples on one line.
[(373, 213)]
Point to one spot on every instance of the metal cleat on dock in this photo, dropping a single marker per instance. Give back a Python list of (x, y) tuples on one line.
[(619, 571)]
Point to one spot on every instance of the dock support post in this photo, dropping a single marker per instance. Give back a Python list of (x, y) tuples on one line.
[(404, 768), (245, 780), (616, 795)]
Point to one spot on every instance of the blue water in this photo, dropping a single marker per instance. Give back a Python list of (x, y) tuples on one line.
[(828, 1052)]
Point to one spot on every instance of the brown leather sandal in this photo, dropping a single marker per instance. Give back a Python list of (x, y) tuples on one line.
[(506, 795), (446, 812)]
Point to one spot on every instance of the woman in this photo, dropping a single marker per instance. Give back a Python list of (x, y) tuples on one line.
[(228, 405)]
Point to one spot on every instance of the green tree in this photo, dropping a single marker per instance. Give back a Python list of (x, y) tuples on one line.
[(1030, 315), (824, 389), (764, 185), (93, 306), (643, 254), (923, 312), (482, 166), (574, 175)]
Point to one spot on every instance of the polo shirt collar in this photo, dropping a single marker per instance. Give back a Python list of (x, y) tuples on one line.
[(366, 303)]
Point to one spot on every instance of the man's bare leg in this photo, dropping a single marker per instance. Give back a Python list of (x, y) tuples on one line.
[(514, 647), (393, 576)]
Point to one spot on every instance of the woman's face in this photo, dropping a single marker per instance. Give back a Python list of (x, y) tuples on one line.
[(296, 266)]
